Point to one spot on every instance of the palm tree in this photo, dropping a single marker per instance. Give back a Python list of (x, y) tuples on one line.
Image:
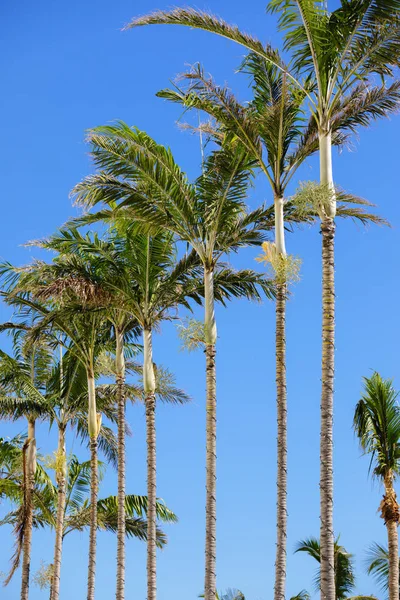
[(62, 400), (26, 376), (139, 274), (378, 565), (377, 425), (75, 317), (273, 130), (335, 56), (77, 510), (210, 215), (270, 128), (344, 568), (86, 251)]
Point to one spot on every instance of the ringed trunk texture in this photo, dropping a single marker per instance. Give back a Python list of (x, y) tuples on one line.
[(210, 583), (326, 440), (120, 364), (29, 465), (390, 511), (393, 542), (281, 481), (150, 403), (94, 484), (61, 499)]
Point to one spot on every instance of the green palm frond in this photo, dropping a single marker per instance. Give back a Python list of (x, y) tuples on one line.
[(303, 595), (344, 568), (377, 425), (377, 565), (198, 19)]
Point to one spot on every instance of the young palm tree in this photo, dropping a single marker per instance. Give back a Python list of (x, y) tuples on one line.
[(335, 56), (377, 425), (87, 331), (344, 568), (26, 376), (378, 565), (77, 507), (210, 215), (62, 400)]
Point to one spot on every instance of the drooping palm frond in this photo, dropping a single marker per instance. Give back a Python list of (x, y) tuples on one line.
[(377, 425), (377, 565), (198, 19)]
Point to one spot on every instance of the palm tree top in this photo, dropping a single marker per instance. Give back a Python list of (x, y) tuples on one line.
[(332, 51), (377, 424)]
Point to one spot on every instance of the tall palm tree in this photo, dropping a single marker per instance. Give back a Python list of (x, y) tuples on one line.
[(141, 180), (272, 128), (335, 56), (377, 425), (87, 254), (140, 274)]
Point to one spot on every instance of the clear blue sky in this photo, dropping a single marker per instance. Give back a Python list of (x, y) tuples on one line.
[(65, 67)]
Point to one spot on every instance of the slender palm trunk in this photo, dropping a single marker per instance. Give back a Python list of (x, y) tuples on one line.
[(391, 515), (281, 400), (150, 402), (210, 579), (61, 475), (326, 441), (327, 536), (94, 427), (29, 486), (120, 364)]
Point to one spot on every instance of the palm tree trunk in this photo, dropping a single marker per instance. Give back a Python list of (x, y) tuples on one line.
[(391, 515), (210, 579), (94, 427), (150, 403), (393, 542), (326, 440), (30, 470), (120, 365), (281, 400), (61, 489), (281, 506)]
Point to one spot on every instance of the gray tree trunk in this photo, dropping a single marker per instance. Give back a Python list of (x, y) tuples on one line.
[(29, 458), (326, 441), (210, 579), (120, 364), (93, 518), (152, 497), (281, 505), (61, 490), (211, 475)]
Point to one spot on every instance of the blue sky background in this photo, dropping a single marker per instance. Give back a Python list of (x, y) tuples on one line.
[(65, 67)]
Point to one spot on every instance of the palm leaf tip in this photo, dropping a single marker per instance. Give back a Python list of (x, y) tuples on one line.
[(198, 19)]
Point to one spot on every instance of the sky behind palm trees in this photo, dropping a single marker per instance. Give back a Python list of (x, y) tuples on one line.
[(66, 67)]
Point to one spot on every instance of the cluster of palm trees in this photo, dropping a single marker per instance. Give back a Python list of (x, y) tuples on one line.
[(81, 319)]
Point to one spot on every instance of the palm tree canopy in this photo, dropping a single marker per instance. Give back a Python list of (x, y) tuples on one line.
[(139, 178), (77, 509), (332, 51), (377, 425)]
